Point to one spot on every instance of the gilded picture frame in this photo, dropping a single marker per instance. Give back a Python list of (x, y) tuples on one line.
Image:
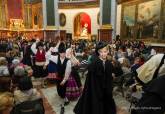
[(62, 19), (98, 18)]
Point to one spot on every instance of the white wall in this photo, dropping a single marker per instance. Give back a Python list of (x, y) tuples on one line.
[(118, 21), (72, 13)]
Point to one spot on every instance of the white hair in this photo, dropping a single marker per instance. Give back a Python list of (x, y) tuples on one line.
[(16, 61), (19, 71)]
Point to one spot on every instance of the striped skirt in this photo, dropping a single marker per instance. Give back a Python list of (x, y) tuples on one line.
[(72, 90)]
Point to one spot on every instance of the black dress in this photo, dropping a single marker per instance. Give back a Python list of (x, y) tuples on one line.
[(97, 96)]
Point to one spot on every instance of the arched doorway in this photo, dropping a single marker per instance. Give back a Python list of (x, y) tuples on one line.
[(82, 26)]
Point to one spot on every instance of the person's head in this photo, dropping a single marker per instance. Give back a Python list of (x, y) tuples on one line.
[(62, 50), (32, 40), (126, 63), (137, 60), (19, 71), (52, 44), (16, 62), (102, 50), (25, 42), (73, 46), (5, 83), (3, 61), (6, 103), (115, 63), (25, 83), (40, 46)]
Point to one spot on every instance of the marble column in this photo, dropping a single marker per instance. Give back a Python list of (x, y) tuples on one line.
[(113, 17), (50, 14), (107, 29), (50, 19)]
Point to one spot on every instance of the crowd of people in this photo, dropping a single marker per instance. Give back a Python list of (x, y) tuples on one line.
[(58, 61)]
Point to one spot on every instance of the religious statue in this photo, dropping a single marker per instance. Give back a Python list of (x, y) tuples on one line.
[(85, 30)]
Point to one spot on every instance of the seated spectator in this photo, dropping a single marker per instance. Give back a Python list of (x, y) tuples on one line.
[(26, 91), (3, 67), (19, 72), (117, 68), (136, 64), (16, 62), (134, 67), (6, 97), (126, 66), (6, 102)]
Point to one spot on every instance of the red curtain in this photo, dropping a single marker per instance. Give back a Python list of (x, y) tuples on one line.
[(15, 9)]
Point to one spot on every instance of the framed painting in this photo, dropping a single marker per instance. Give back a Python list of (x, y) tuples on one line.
[(62, 19), (129, 15), (128, 21), (148, 19), (163, 36)]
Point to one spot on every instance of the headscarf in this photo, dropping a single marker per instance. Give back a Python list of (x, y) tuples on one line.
[(146, 71)]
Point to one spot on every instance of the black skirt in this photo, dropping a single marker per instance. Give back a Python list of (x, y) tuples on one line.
[(61, 90), (39, 72)]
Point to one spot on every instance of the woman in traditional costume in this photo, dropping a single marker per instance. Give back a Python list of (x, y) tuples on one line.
[(63, 69), (40, 59), (52, 67), (97, 95), (73, 89)]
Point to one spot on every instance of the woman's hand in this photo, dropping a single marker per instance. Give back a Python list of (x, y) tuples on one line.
[(62, 83), (44, 67)]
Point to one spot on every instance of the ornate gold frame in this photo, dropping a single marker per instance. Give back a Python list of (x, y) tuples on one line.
[(74, 5)]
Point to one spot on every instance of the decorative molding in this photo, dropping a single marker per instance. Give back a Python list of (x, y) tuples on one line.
[(123, 1), (51, 28), (74, 5), (107, 26)]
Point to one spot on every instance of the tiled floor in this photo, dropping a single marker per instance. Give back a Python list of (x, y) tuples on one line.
[(53, 102), (47, 106)]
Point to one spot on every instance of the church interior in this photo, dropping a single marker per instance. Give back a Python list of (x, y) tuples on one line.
[(136, 26)]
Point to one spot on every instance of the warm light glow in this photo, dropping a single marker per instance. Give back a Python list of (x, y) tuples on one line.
[(16, 24)]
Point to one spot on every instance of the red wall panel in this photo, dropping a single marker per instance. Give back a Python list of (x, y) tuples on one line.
[(15, 9)]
